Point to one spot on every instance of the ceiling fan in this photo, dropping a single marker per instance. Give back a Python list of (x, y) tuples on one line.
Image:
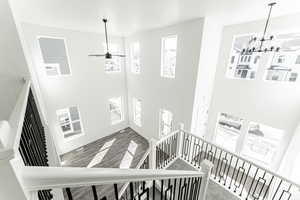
[(107, 55)]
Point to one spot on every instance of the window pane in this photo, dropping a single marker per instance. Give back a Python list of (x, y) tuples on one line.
[(115, 107), (54, 52), (69, 121), (169, 48), (228, 131), (284, 65), (246, 64), (113, 64), (135, 57), (166, 122), (262, 143), (137, 109)]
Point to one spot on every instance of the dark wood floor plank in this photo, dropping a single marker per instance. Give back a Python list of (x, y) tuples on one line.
[(82, 156)]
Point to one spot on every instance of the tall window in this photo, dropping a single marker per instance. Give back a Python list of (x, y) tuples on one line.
[(262, 143), (135, 58), (168, 56), (165, 122), (137, 111), (228, 131), (116, 110), (54, 55), (69, 121), (115, 63)]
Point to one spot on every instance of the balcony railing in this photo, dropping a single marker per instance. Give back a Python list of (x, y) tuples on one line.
[(39, 181), (240, 176)]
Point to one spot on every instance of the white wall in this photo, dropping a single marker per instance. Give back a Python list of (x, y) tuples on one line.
[(12, 62), (177, 94), (211, 38), (274, 104), (89, 87)]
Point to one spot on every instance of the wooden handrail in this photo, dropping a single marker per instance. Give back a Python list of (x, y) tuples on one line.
[(42, 178)]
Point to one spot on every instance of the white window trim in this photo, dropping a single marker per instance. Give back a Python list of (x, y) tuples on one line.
[(134, 102), (113, 52), (131, 57), (161, 135), (42, 60), (162, 56), (242, 140), (121, 109), (81, 124)]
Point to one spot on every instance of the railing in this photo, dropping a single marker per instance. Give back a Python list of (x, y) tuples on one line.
[(166, 150), (32, 145), (143, 164), (101, 184), (240, 176)]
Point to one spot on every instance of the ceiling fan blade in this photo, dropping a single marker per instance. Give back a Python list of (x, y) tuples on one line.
[(119, 55), (97, 55)]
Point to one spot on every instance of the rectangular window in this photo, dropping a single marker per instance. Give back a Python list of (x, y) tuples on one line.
[(137, 111), (168, 56), (283, 66), (115, 63), (262, 143), (228, 131), (246, 64), (135, 58), (69, 121), (54, 56), (166, 122), (116, 110)]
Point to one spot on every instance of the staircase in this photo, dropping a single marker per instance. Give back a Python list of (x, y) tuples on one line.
[(179, 166)]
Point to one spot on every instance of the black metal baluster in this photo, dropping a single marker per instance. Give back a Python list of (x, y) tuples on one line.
[(68, 190), (131, 191), (252, 183), (95, 192), (162, 189), (116, 191)]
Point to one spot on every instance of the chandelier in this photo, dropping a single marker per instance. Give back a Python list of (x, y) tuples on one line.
[(256, 44)]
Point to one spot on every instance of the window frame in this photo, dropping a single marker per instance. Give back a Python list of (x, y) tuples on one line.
[(162, 124), (71, 123), (45, 64), (131, 50), (136, 120), (163, 52), (242, 139), (114, 57), (121, 110)]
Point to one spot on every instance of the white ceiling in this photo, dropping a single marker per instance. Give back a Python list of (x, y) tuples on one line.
[(129, 16)]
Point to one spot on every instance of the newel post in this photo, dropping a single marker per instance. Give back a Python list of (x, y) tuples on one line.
[(152, 154), (206, 167)]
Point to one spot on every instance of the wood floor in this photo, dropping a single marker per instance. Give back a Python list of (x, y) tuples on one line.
[(114, 154)]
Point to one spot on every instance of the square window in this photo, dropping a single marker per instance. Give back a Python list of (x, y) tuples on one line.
[(113, 64), (69, 121), (116, 110), (228, 131), (135, 62), (54, 56), (168, 56), (262, 143), (166, 122), (137, 111)]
